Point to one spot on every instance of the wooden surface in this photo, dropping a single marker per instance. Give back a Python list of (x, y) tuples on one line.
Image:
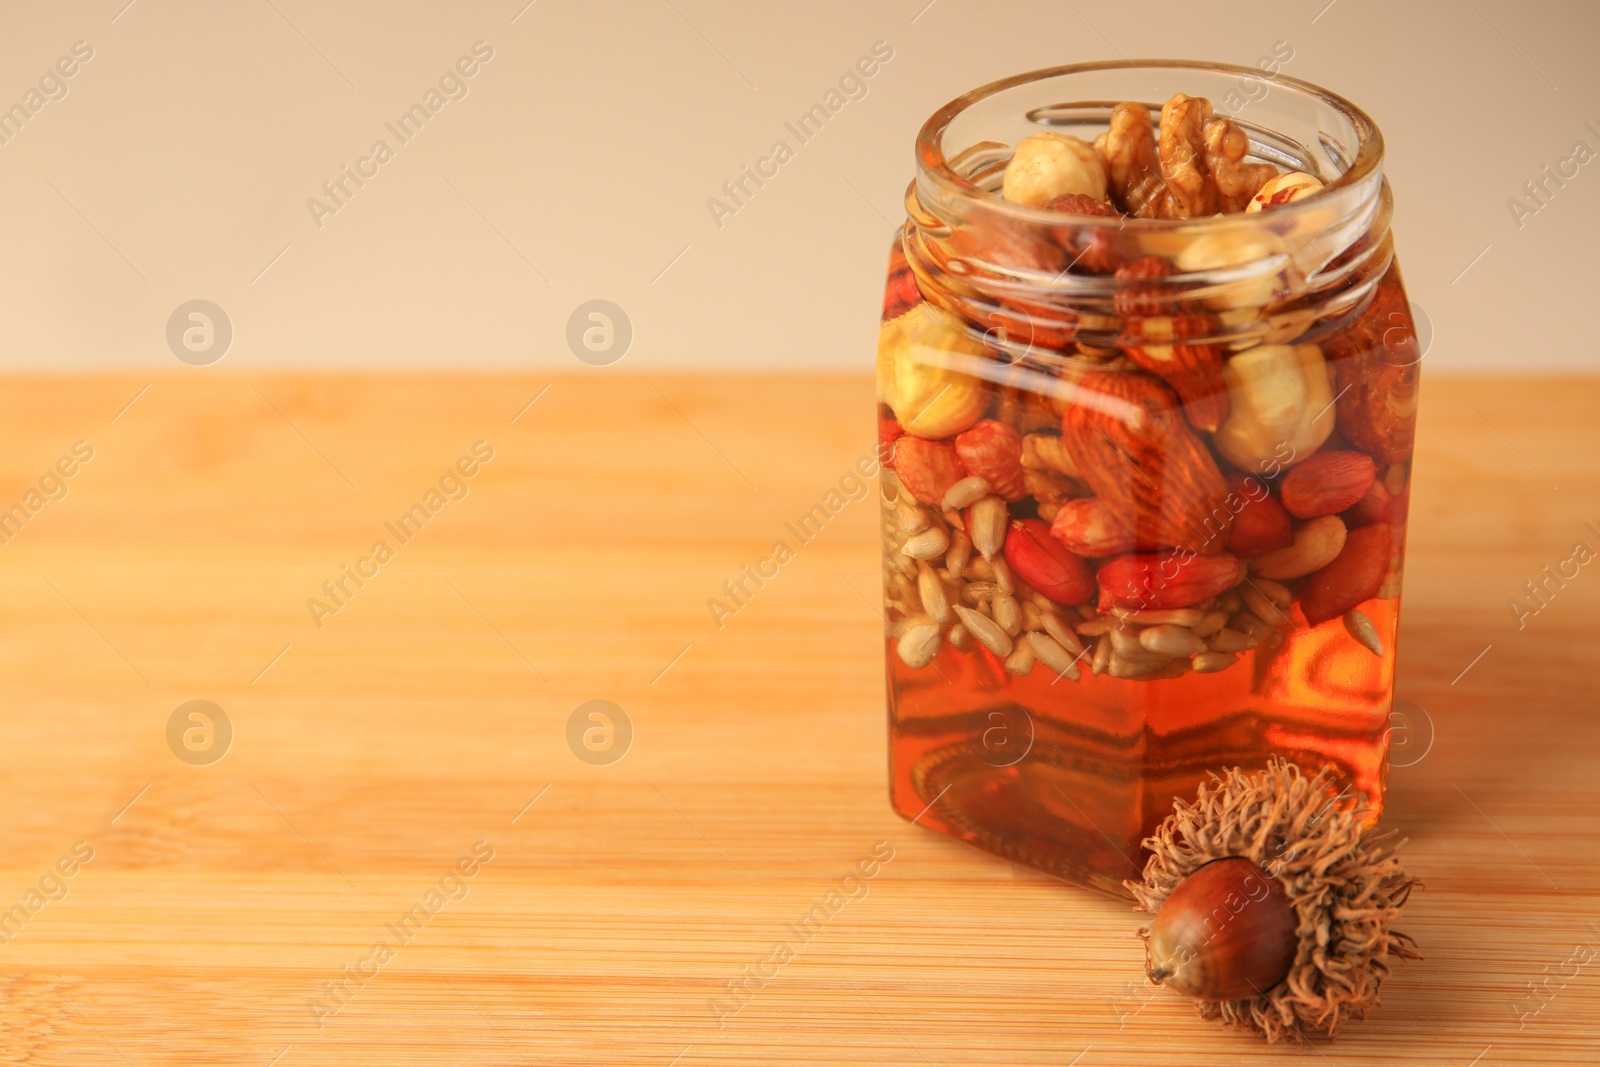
[(432, 708)]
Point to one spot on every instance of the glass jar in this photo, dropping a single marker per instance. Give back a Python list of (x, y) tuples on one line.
[(1146, 480)]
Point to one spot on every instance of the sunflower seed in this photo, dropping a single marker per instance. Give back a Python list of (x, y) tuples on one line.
[(1095, 627), (1102, 656), (1008, 613), (978, 567), (910, 517), (1211, 662), (1125, 641), (956, 557), (1021, 659), (985, 631), (927, 544), (1171, 640), (1252, 624), (1362, 629), (1122, 667), (1209, 625), (1032, 617), (1053, 655), (952, 518), (988, 521), (959, 637), (1063, 636), (1276, 592), (1226, 640), (1002, 575), (931, 592), (919, 644), (1259, 603), (965, 493), (976, 592), (1158, 616)]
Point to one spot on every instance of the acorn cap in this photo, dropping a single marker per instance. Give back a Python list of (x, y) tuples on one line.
[(1344, 883)]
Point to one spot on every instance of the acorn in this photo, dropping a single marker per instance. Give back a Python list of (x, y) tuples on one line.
[(1227, 931), (1273, 905)]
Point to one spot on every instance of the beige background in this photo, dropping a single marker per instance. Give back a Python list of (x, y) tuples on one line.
[(578, 166)]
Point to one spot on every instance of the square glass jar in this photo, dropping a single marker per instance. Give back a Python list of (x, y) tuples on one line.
[(1146, 479)]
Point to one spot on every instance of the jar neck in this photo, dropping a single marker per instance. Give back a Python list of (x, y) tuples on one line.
[(1024, 277), (1022, 282)]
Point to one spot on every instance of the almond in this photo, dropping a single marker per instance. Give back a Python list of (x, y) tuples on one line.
[(1376, 377), (1150, 313), (1087, 527), (1029, 324), (1327, 483), (992, 451), (1130, 444), (1352, 578), (888, 431), (927, 469), (901, 294), (1159, 580), (1379, 505), (1195, 372), (1081, 204), (1043, 563), (1005, 243), (1046, 452), (1260, 525), (1092, 249), (1021, 406)]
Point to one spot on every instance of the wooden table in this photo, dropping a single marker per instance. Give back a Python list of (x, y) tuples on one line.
[(430, 711)]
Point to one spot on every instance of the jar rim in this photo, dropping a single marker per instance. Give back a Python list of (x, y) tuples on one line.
[(934, 166)]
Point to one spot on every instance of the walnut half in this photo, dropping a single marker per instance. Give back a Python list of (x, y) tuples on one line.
[(1198, 169), (1129, 150)]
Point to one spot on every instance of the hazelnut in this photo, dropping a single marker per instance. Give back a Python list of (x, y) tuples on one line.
[(1230, 248), (1279, 406), (1291, 185), (918, 377), (1048, 165)]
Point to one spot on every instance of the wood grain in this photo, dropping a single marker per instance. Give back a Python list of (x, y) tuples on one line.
[(431, 709)]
